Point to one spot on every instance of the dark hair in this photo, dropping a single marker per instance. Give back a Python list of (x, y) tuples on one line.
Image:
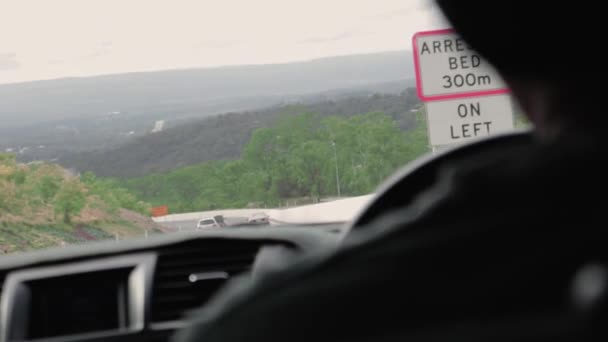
[(541, 40)]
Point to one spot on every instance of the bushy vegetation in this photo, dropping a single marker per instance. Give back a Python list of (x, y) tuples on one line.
[(301, 156), (45, 205)]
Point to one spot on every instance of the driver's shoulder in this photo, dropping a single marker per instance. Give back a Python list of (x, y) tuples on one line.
[(433, 239), (508, 187), (526, 163)]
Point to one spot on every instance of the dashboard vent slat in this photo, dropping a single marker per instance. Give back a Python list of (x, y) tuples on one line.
[(2, 278), (213, 261), (175, 292), (180, 271)]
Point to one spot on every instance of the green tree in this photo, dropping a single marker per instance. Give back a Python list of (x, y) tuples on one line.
[(417, 140), (7, 166), (369, 147), (19, 176), (265, 154), (48, 187), (89, 178), (7, 159), (70, 200), (113, 194), (311, 166), (7, 196)]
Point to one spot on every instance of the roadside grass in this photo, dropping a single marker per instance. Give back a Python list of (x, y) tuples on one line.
[(121, 228), (15, 237)]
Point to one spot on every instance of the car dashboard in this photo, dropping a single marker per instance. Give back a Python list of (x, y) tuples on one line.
[(133, 290)]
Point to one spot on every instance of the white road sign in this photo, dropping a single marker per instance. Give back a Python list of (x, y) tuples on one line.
[(446, 68), (459, 120)]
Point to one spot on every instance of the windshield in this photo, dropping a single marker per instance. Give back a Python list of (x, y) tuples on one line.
[(122, 119)]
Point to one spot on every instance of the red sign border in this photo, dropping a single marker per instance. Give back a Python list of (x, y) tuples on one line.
[(453, 96)]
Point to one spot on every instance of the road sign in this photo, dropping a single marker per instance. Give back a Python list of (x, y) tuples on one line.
[(446, 68), (460, 120)]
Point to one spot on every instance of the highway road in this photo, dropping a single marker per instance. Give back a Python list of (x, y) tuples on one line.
[(326, 215), (191, 224)]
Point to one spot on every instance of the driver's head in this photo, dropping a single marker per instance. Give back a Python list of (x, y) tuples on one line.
[(550, 54)]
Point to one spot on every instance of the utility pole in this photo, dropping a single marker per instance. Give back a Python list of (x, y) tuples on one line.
[(333, 144)]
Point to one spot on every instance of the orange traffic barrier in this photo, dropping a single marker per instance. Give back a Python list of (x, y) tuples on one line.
[(160, 211)]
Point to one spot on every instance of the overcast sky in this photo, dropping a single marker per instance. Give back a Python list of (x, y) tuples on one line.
[(44, 39)]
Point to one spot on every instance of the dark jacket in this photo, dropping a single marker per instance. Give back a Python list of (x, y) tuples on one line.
[(501, 248)]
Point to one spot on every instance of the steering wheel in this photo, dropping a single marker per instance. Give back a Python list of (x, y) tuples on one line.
[(402, 188)]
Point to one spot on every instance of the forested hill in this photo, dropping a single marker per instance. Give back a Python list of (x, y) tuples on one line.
[(224, 136), (48, 120)]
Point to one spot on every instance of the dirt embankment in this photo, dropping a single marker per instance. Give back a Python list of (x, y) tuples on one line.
[(139, 220)]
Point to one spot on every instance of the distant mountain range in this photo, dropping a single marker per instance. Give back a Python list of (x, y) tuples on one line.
[(46, 120), (179, 92)]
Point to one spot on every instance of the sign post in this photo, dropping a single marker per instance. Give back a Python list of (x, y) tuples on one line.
[(464, 97)]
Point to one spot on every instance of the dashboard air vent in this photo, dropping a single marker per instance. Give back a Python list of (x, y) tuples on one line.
[(188, 274)]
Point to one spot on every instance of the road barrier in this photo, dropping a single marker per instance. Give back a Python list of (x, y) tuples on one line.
[(160, 211), (342, 210)]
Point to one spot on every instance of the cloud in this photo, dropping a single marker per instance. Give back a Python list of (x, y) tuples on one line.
[(102, 49), (8, 61), (334, 38), (218, 44), (415, 9), (55, 61), (95, 54)]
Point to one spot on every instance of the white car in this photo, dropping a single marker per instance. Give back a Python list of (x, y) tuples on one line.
[(210, 222), (258, 218)]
